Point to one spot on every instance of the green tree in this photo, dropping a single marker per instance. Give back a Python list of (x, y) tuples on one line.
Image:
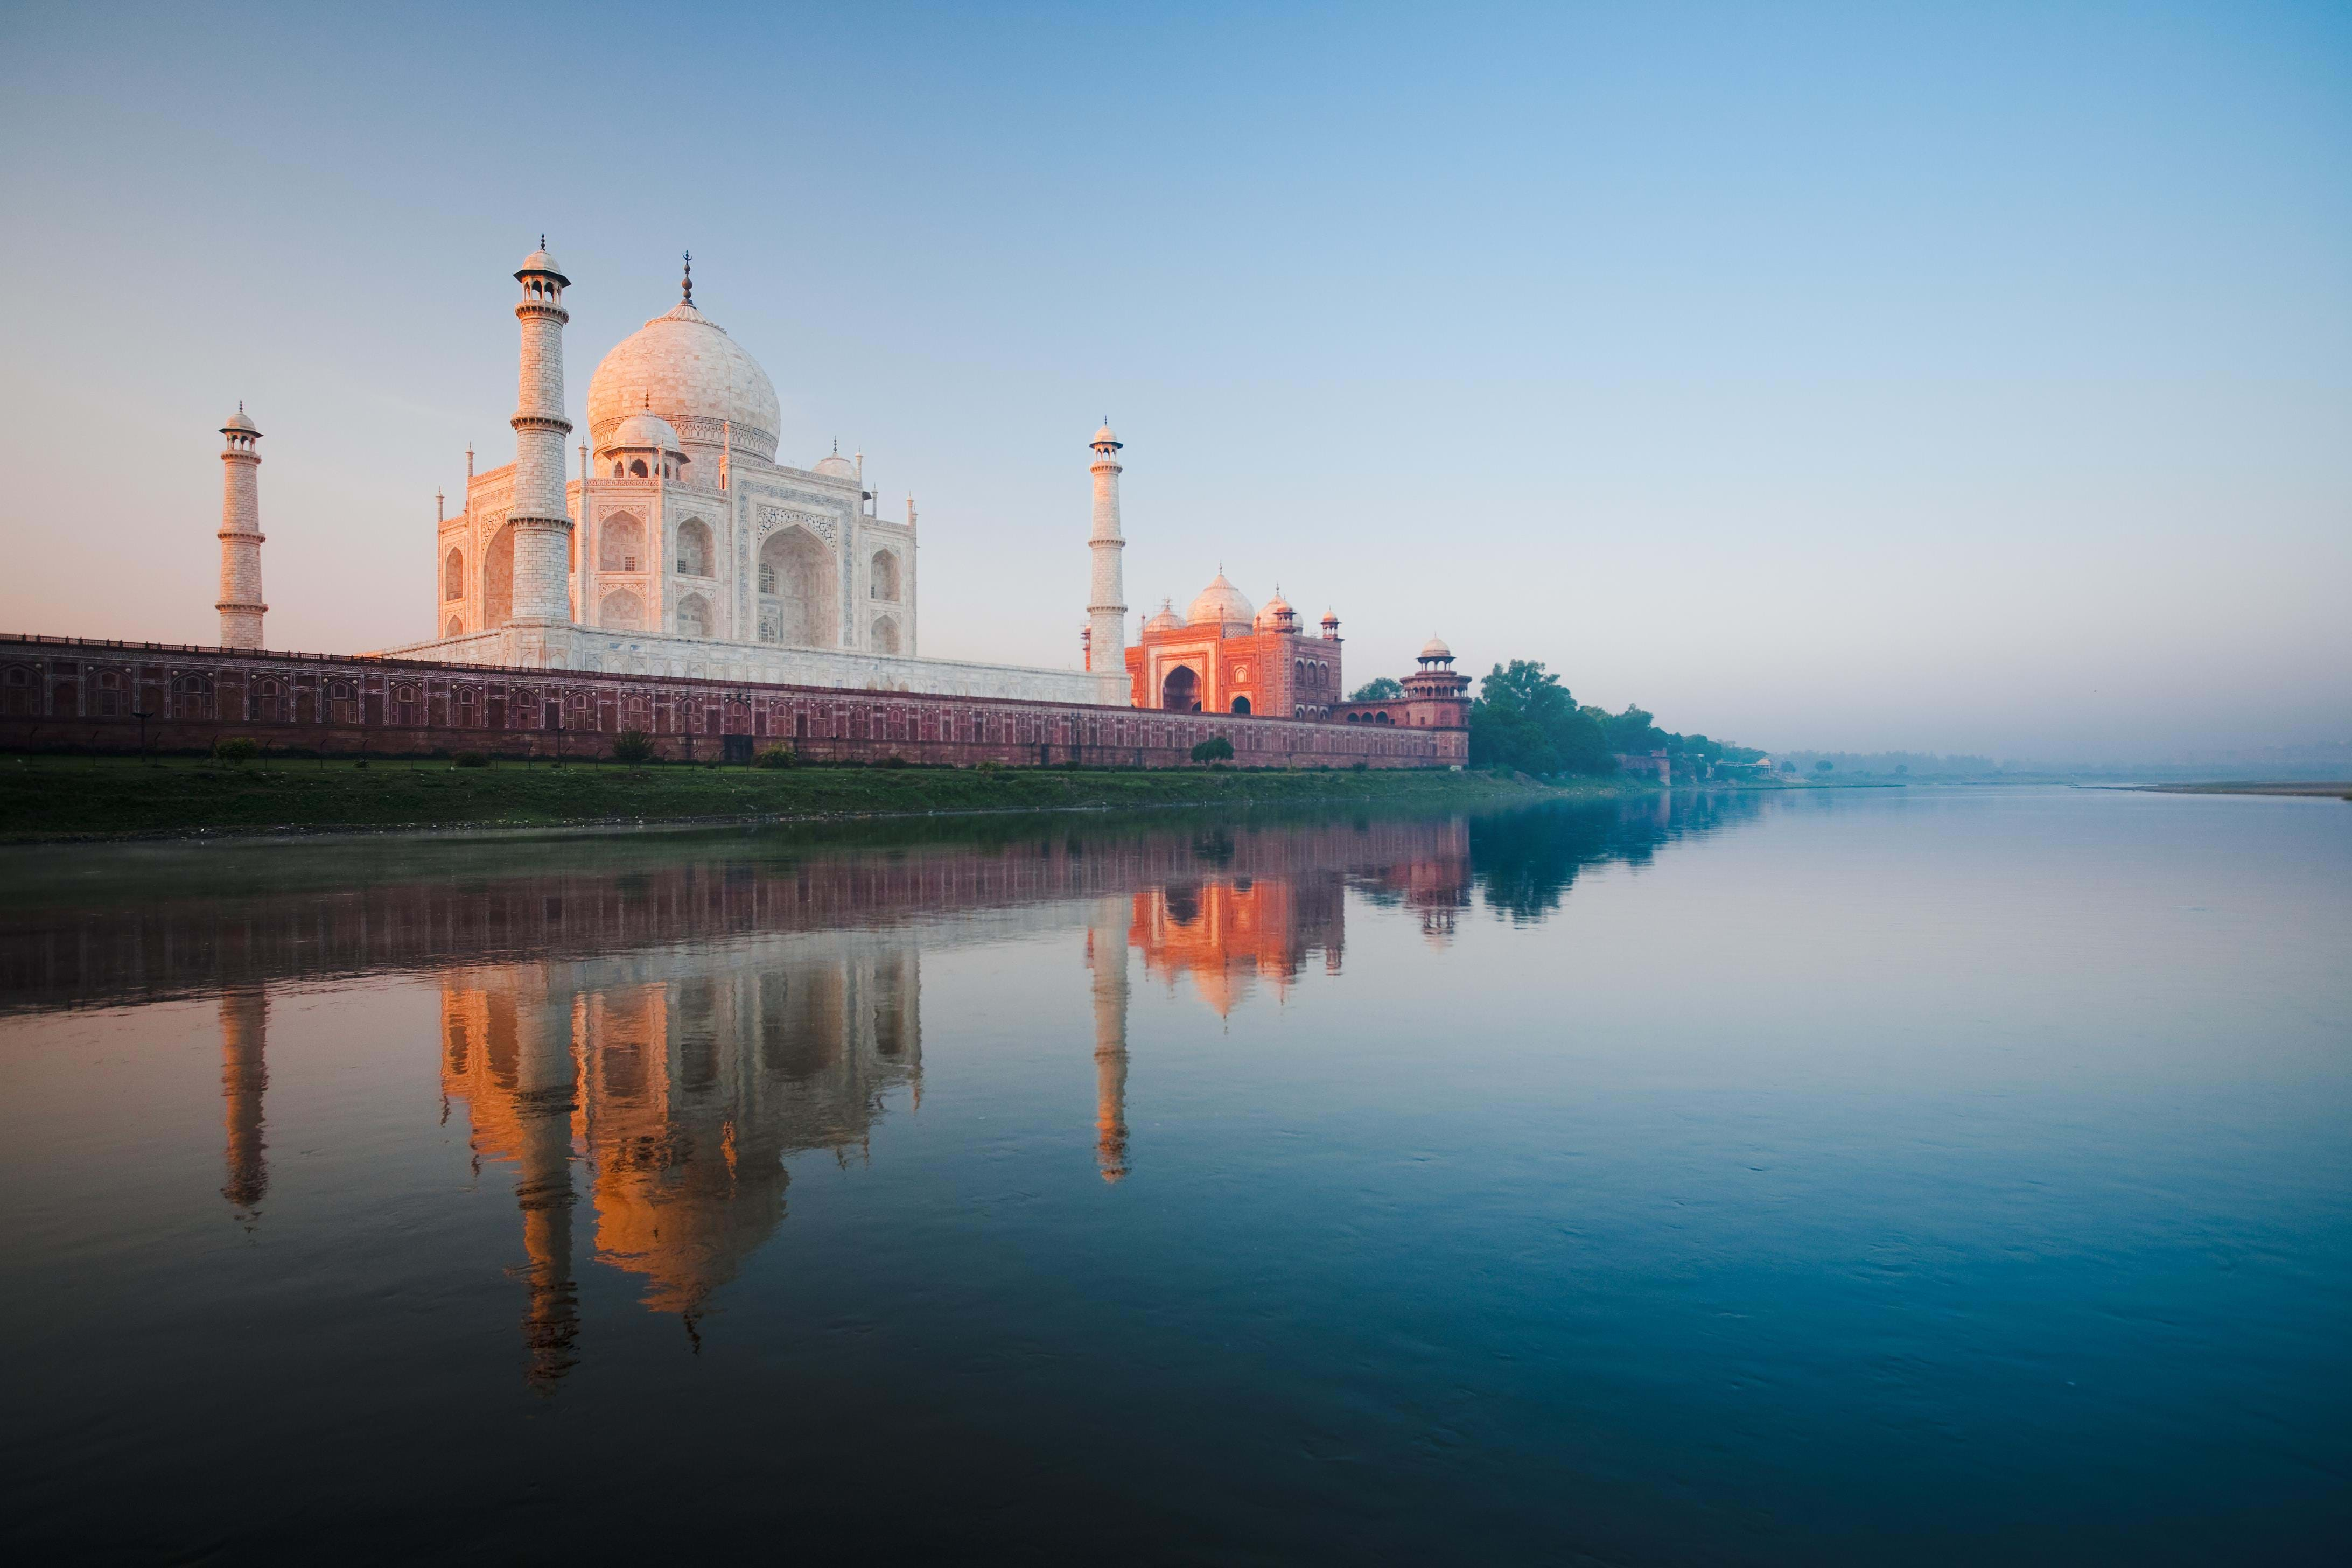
[(1215, 749), (633, 746), (1825, 766), (1385, 689), (1525, 719)]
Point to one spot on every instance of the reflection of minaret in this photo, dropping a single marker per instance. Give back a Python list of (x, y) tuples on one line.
[(528, 1043), (245, 1076), (1107, 952)]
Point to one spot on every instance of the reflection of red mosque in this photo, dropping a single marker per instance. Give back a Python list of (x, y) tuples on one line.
[(1226, 935)]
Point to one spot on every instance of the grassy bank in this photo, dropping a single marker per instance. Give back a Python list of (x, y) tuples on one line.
[(48, 798), (2253, 787)]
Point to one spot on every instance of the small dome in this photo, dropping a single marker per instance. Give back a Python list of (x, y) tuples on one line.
[(1105, 435), (240, 423), (1221, 604), (1167, 620), (1435, 648), (1277, 612), (539, 261), (643, 429), (836, 466)]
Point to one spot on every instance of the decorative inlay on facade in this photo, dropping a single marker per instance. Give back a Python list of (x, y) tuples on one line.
[(774, 517)]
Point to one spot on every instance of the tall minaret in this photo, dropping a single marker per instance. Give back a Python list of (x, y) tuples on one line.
[(1107, 614), (240, 603), (542, 521)]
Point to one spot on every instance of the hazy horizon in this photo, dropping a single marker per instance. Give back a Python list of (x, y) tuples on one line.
[(1835, 380)]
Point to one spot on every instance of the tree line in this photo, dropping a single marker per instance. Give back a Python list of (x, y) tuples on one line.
[(1523, 718)]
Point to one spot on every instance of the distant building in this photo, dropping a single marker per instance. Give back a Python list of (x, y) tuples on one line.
[(1647, 764)]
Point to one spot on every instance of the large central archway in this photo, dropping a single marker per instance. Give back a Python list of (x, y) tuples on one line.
[(1180, 692), (799, 599)]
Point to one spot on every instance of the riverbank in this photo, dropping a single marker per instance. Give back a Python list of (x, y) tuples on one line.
[(53, 799), (2341, 789)]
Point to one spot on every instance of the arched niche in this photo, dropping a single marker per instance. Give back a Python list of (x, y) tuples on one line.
[(453, 574), (1180, 691), (885, 635), (694, 616), (623, 610), (695, 551), (621, 543), (799, 591), (885, 575), (497, 578)]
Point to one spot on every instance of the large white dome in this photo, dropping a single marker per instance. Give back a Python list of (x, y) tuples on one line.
[(685, 367)]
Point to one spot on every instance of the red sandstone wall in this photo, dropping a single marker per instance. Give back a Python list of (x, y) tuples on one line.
[(69, 694)]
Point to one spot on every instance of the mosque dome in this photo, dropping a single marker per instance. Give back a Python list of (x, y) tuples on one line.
[(1167, 620), (240, 423), (685, 367), (1435, 648), (1276, 614), (836, 466), (1220, 603), (644, 429), (1105, 435), (539, 261)]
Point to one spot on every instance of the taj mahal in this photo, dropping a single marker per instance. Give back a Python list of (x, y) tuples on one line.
[(680, 546)]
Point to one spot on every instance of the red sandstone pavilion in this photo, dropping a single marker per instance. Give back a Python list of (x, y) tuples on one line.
[(688, 586)]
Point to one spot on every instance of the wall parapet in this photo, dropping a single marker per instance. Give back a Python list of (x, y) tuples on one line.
[(88, 694)]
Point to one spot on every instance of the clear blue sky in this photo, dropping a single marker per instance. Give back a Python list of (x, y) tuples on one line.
[(1957, 378)]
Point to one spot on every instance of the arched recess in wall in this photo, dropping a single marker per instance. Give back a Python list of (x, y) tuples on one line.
[(799, 591), (885, 635), (694, 548), (621, 543), (453, 574), (886, 576), (694, 616), (1180, 692), (622, 611), (497, 578), (1241, 705), (455, 628)]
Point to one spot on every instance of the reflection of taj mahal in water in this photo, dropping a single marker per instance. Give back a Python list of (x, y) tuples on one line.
[(649, 1100)]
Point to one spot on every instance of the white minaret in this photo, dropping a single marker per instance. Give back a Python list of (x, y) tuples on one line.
[(240, 605), (543, 522), (1107, 614)]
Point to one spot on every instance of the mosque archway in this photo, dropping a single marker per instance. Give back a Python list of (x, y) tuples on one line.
[(798, 595), (456, 629), (622, 611), (1241, 705), (694, 616), (885, 635), (497, 578), (1180, 691)]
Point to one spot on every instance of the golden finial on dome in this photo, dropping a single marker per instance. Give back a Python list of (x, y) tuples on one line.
[(686, 284)]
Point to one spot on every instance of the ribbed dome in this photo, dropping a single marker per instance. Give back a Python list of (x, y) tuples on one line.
[(644, 429), (1221, 602), (696, 378), (1167, 620)]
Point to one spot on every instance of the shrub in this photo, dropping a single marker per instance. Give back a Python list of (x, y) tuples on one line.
[(1361, 766), (988, 765), (710, 763), (775, 757), (1215, 749), (472, 759), (893, 761), (237, 748), (633, 746)]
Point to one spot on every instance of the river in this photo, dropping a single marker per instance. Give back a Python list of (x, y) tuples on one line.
[(1839, 1176)]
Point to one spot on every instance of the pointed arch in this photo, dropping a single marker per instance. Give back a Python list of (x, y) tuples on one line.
[(623, 610), (799, 590), (885, 635), (497, 578), (621, 543), (453, 574)]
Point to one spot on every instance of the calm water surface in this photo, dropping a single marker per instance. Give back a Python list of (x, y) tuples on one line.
[(1859, 1176)]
